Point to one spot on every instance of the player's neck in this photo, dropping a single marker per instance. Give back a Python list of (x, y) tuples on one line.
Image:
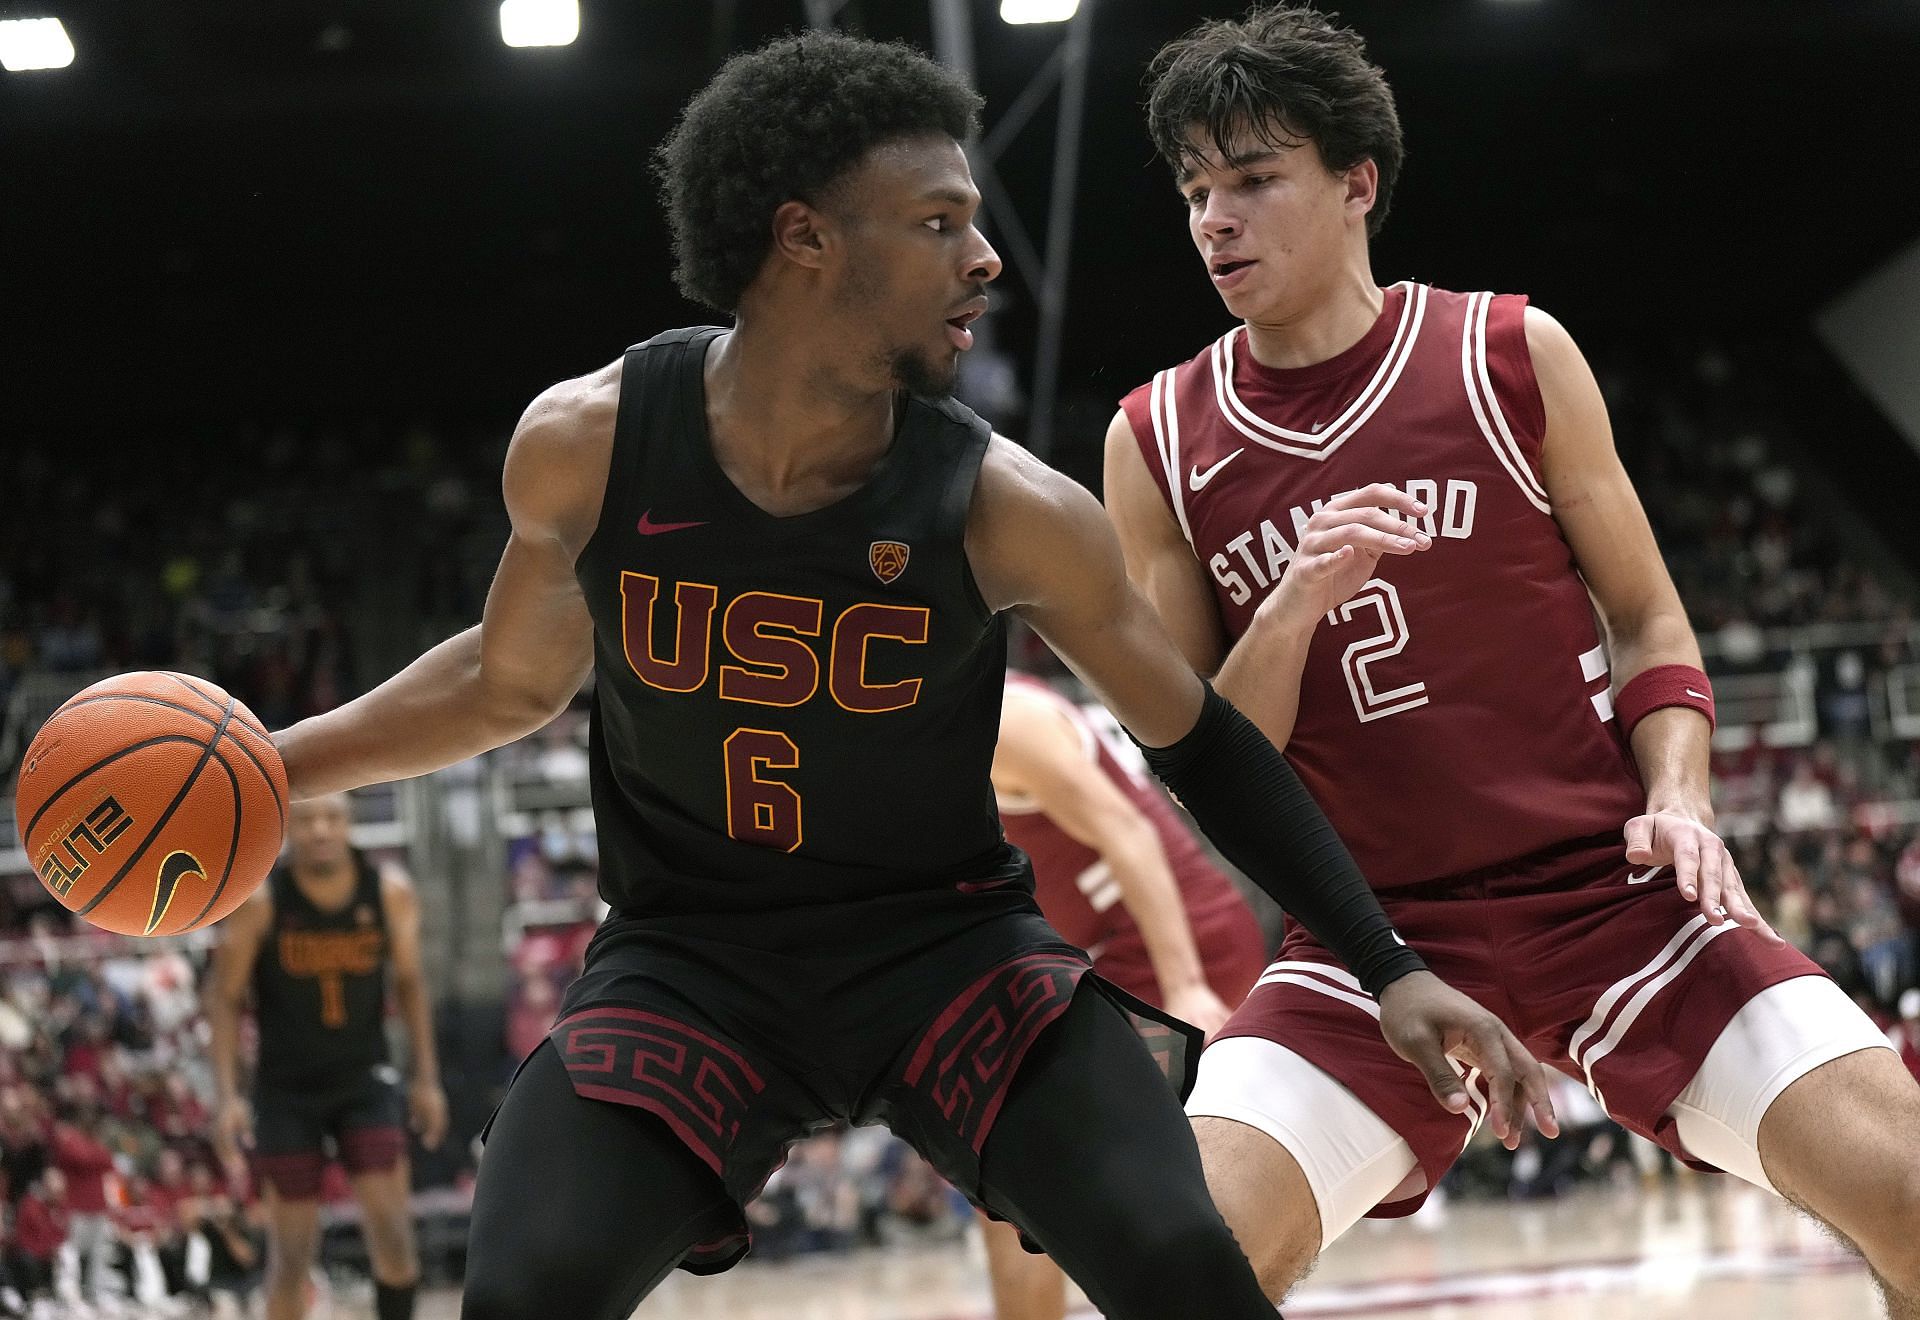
[(324, 885), (786, 423), (1333, 322)]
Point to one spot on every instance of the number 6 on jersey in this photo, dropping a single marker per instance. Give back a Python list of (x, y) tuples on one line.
[(763, 812)]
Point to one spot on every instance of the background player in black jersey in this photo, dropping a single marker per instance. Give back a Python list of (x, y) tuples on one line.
[(789, 555), (312, 950)]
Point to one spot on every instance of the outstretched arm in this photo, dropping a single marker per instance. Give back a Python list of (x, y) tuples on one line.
[(520, 666), (1040, 545), (1043, 757), (1600, 515)]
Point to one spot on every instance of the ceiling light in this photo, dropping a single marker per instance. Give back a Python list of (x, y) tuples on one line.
[(539, 22), (34, 43)]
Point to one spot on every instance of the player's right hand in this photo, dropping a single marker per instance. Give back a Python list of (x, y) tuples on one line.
[(1429, 1024), (233, 1129), (1341, 544)]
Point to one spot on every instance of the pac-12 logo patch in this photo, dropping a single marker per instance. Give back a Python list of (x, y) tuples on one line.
[(888, 559)]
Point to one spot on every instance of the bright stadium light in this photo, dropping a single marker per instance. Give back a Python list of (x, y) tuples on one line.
[(1037, 11), (539, 22), (34, 43)]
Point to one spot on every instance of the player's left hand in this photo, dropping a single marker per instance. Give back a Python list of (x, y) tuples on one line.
[(1429, 1024), (427, 1110), (1703, 869)]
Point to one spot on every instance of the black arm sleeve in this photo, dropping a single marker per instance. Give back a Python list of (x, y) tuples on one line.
[(1258, 813)]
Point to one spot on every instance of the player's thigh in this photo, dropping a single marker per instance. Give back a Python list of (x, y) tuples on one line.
[(289, 1144), (1776, 1091), (1093, 1158), (1844, 1141), (386, 1210), (581, 1205), (1293, 1157)]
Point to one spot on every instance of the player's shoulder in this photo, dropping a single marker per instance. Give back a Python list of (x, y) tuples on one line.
[(1027, 524), (1016, 485)]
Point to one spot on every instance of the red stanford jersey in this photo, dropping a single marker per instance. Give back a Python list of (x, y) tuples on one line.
[(1455, 713), (1077, 893)]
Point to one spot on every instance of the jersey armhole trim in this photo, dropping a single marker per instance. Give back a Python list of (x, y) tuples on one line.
[(1164, 409), (1486, 404)]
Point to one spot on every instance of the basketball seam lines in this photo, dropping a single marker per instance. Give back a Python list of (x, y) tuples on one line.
[(233, 845), (101, 764), (279, 807), (165, 816)]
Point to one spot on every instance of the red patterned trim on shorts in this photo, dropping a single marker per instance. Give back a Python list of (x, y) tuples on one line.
[(293, 1177), (968, 1057), (372, 1149), (700, 1087)]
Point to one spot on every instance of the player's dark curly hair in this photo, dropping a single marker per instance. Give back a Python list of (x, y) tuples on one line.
[(1282, 74), (784, 123)]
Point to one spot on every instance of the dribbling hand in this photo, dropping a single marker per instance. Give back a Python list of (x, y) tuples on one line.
[(233, 1130), (1341, 545), (1428, 1023), (1703, 869)]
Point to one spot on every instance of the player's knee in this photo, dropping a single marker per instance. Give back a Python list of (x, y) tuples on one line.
[(390, 1242), (1895, 1256), (1168, 1257)]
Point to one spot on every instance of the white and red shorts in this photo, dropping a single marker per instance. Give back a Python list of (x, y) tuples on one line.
[(1602, 969)]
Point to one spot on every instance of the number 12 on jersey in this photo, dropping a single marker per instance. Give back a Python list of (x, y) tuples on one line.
[(760, 810)]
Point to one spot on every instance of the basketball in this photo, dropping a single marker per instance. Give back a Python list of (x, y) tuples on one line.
[(152, 803)]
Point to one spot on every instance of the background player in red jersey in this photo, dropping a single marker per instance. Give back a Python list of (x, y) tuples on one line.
[(1118, 873), (312, 949), (1377, 515)]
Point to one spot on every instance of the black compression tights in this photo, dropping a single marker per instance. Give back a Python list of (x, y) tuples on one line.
[(583, 1206)]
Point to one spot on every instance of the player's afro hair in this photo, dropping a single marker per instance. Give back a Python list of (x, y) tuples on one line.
[(1281, 74), (784, 123)]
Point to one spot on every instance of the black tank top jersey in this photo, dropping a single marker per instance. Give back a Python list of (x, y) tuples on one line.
[(788, 712), (320, 983)]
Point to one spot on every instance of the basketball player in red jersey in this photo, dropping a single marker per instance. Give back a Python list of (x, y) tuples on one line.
[(1118, 873), (1376, 514), (312, 950)]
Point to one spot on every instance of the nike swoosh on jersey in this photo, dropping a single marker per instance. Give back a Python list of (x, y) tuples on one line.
[(1645, 875), (648, 527), (1196, 479)]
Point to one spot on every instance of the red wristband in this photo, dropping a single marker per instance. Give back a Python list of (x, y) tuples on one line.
[(1659, 687)]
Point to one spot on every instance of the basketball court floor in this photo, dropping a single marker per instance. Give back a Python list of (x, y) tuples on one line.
[(1706, 1249)]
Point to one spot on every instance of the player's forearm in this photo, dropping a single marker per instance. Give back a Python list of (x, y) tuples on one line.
[(1152, 897), (223, 1045), (1255, 809), (1672, 746), (1261, 676), (416, 1011), (440, 710)]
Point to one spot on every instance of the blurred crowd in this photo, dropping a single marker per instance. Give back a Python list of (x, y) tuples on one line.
[(112, 1201)]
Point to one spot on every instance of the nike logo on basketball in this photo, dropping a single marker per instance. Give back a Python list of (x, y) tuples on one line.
[(1645, 875), (648, 527), (1196, 479), (177, 867)]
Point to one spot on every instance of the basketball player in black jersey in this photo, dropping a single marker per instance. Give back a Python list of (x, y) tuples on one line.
[(312, 949), (787, 555)]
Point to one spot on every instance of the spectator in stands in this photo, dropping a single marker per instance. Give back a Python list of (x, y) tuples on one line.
[(85, 1163), (40, 1234), (1806, 803)]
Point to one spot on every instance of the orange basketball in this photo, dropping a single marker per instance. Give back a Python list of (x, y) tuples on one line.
[(152, 803)]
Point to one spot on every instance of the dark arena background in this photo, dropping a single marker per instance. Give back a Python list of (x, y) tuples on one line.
[(277, 278)]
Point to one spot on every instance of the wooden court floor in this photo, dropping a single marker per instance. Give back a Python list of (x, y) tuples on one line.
[(1706, 1249)]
